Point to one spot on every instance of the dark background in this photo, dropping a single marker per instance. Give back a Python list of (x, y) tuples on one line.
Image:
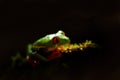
[(22, 22)]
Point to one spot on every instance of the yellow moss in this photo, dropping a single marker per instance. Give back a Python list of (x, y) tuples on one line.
[(73, 47), (80, 46)]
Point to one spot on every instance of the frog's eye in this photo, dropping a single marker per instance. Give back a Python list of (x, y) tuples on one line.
[(56, 40), (61, 32)]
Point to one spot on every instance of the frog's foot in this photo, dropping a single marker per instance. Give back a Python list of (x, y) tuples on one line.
[(32, 61), (55, 54)]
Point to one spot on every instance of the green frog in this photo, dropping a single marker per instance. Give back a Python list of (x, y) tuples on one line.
[(50, 43)]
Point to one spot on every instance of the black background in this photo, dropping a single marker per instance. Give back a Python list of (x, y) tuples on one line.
[(22, 22)]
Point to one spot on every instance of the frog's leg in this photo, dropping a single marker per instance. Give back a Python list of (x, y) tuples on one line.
[(29, 56), (19, 58), (33, 57), (29, 49)]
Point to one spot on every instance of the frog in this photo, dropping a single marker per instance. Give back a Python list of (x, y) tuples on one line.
[(50, 43)]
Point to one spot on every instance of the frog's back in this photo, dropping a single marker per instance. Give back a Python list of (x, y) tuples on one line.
[(44, 41)]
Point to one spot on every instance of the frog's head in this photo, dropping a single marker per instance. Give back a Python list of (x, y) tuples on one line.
[(58, 38)]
